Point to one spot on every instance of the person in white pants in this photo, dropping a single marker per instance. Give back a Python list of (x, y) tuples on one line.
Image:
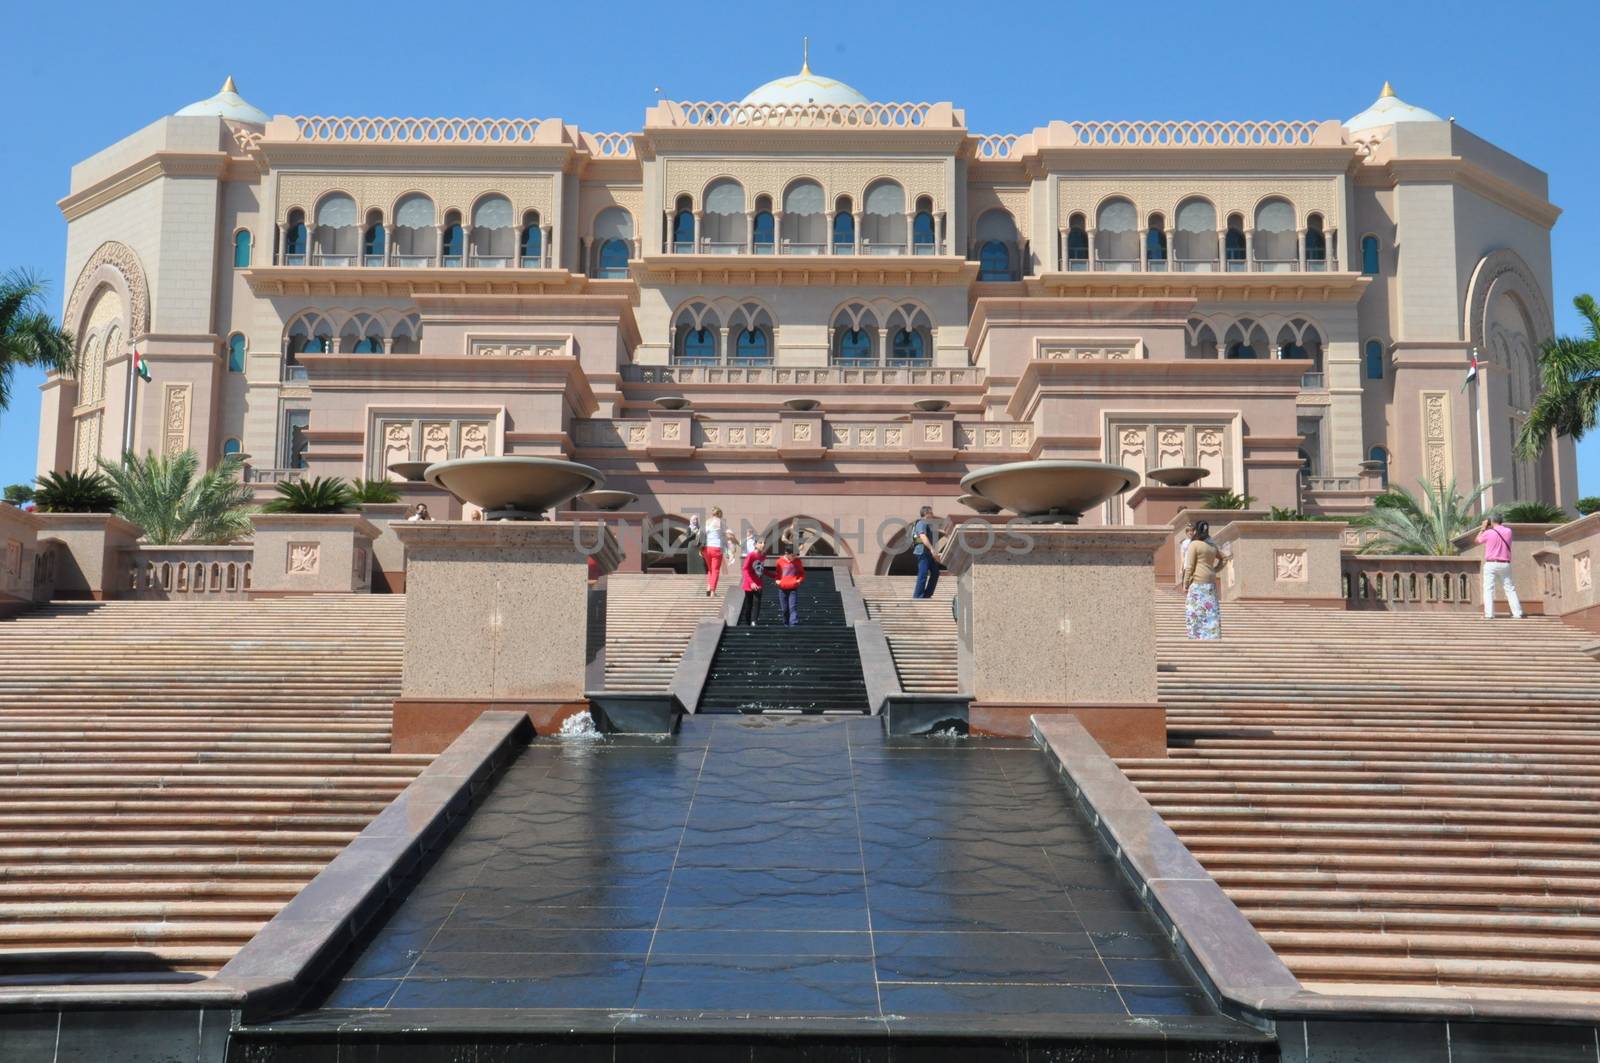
[(1495, 538)]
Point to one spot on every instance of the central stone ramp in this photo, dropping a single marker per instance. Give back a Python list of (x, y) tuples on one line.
[(769, 668), (801, 885)]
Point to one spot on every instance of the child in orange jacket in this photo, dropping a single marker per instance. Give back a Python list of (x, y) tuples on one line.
[(791, 573)]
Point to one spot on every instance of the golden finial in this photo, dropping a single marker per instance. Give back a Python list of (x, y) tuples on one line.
[(1388, 91), (228, 86), (805, 55)]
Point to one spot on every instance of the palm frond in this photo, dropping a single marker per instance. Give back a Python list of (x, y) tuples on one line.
[(164, 496), (28, 334)]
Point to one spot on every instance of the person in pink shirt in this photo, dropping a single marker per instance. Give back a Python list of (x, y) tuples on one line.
[(1495, 538)]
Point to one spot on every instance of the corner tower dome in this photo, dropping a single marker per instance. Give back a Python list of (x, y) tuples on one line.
[(1389, 110), (227, 103), (805, 87)]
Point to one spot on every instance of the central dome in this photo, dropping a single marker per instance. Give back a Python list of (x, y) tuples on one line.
[(805, 87)]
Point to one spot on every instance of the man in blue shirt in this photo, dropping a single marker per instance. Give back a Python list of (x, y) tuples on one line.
[(924, 534)]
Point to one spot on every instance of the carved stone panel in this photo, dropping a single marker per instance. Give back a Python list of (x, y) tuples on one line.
[(1289, 566), (175, 419), (1583, 571), (304, 559), (1437, 464)]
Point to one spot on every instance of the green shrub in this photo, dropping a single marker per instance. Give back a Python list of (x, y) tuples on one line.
[(174, 502), (1283, 513), (74, 492), (1228, 500), (372, 492), (319, 495), (1533, 513), (1587, 505), (18, 494)]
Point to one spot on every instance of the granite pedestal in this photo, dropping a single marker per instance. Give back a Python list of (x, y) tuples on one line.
[(499, 615)]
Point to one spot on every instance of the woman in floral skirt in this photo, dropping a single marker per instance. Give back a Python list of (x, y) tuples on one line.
[(1201, 561)]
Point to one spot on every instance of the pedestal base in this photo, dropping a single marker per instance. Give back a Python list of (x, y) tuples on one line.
[(428, 725), (1121, 730)]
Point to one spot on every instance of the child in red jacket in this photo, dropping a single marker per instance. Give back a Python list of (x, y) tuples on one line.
[(791, 573), (752, 569)]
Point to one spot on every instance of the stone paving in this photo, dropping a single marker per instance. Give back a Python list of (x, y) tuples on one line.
[(777, 872)]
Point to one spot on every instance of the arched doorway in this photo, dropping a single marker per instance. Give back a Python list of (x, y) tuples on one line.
[(811, 537), (668, 545)]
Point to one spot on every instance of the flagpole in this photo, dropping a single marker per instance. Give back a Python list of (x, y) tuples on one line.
[(127, 424), (1477, 418)]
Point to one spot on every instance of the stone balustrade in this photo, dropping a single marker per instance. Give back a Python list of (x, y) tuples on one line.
[(843, 375), (188, 571), (683, 434), (1410, 582)]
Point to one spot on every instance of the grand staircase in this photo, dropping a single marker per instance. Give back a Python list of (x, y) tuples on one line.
[(812, 668), (1393, 799), (173, 773), (649, 622), (921, 632)]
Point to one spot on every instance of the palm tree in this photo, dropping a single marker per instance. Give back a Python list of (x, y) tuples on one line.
[(1431, 524), (28, 336), (165, 497), (1569, 370)]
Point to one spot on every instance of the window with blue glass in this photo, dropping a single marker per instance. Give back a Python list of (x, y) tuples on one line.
[(614, 259), (369, 345), (1374, 360), (699, 345), (1241, 350), (241, 249), (844, 232), (683, 231), (922, 230), (908, 346), (294, 239), (763, 234), (1155, 245), (374, 242), (1233, 243), (1369, 255), (236, 353), (994, 262), (231, 448), (530, 248), (1077, 244), (752, 345), (1379, 454), (452, 245), (1316, 242), (855, 345)]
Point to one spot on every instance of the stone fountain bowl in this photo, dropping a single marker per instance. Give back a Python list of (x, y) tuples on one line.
[(801, 405), (931, 405), (1178, 475), (978, 503), (609, 500), (673, 402), (514, 488), (410, 471), (1058, 489)]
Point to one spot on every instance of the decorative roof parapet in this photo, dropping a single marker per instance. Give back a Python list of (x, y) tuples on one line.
[(367, 130), (609, 145), (842, 116), (1190, 134)]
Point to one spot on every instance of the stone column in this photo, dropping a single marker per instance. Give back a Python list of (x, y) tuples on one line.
[(856, 234), (1060, 619), (499, 615)]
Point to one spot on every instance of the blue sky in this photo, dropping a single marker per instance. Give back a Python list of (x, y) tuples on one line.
[(81, 75)]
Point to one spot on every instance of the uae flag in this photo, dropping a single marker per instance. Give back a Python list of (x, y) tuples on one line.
[(1472, 370), (141, 368)]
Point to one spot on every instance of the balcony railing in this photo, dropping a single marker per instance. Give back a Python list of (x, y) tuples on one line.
[(325, 258), (1312, 382), (891, 375), (1195, 265), (489, 261), (1385, 581), (204, 572)]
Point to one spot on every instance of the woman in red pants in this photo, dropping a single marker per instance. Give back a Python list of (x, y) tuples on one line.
[(711, 552)]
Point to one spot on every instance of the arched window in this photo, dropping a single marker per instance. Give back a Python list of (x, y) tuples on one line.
[(374, 240), (1234, 245), (1246, 340), (414, 237), (1117, 236), (699, 346), (1155, 243), (844, 227), (241, 249), (855, 346), (452, 242), (494, 232), (530, 248), (294, 239), (309, 333), (1195, 239), (407, 336), (1374, 360), (231, 448), (763, 233), (1379, 454), (804, 226), (236, 353), (723, 218), (997, 240), (1276, 243), (1077, 244), (336, 236), (908, 346), (883, 221), (683, 227), (924, 235), (1369, 255), (362, 334), (752, 346), (613, 236), (1316, 244)]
